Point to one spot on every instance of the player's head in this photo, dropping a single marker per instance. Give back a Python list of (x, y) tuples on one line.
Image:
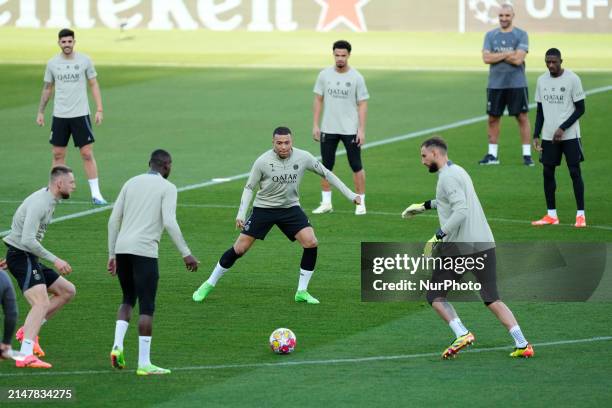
[(434, 153), (342, 52), (506, 15), (61, 180), (161, 162), (65, 39), (553, 61), (282, 141)]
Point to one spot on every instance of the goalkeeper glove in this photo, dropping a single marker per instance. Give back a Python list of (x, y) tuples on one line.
[(433, 241), (415, 209)]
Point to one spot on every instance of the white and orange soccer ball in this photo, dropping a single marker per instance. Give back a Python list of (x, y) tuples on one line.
[(282, 341)]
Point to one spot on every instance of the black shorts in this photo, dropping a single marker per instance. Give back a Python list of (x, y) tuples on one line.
[(329, 145), (26, 269), (79, 127), (138, 277), (289, 220), (516, 99), (552, 152), (486, 276)]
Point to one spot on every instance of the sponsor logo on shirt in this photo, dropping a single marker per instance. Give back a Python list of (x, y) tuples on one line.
[(285, 179)]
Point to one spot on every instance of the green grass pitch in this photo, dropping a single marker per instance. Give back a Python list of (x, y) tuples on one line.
[(215, 122)]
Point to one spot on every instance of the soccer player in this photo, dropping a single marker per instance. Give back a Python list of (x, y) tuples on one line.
[(35, 279), (341, 93), (277, 173), (145, 207), (560, 99), (9, 307), (68, 73), (505, 49), (462, 220)]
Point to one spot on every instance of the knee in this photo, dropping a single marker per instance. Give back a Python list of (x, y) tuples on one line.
[(493, 120), (87, 155), (574, 171), (59, 155), (310, 243), (355, 163), (240, 249), (41, 304), (69, 292)]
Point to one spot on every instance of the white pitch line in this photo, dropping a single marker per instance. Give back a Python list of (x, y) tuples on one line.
[(309, 362), (382, 142)]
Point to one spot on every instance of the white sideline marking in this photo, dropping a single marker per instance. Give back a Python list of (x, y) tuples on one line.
[(382, 142), (306, 362)]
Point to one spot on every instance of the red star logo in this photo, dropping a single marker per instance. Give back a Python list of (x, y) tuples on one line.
[(335, 12)]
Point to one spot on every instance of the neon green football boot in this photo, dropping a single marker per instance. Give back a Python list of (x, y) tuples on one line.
[(152, 370), (202, 292), (525, 352), (304, 296), (458, 344), (117, 358)]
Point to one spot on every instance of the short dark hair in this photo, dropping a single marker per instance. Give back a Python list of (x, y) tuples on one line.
[(160, 157), (553, 52), (342, 45), (435, 141), (65, 32), (282, 131), (58, 171)]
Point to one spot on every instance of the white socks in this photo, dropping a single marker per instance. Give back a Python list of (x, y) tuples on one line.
[(27, 347), (304, 279), (579, 213), (552, 213), (526, 150), (493, 149), (326, 197), (457, 327), (95, 188), (144, 351), (120, 329), (518, 337), (216, 274), (362, 199)]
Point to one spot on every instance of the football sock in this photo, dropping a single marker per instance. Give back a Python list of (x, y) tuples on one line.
[(309, 259), (552, 213), (326, 197), (121, 327), (228, 258), (550, 185), (579, 213), (362, 199), (457, 327), (518, 337), (304, 279), (578, 185), (216, 274), (27, 347), (95, 188), (144, 351), (526, 150), (493, 149)]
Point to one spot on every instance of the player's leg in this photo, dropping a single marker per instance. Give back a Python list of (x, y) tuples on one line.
[(146, 277), (495, 109), (329, 145), (63, 291), (60, 134), (9, 307), (82, 134), (551, 158), (125, 275), (573, 156), (39, 303), (353, 154), (518, 106), (307, 239)]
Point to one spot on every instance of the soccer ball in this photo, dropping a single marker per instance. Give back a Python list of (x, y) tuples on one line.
[(282, 341)]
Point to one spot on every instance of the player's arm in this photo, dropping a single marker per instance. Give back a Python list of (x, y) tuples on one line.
[(317, 106), (458, 204), (248, 193), (317, 167), (114, 225), (47, 91), (489, 57), (362, 110), (539, 124), (97, 97), (517, 57), (168, 210)]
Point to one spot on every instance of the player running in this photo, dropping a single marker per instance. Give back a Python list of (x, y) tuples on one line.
[(462, 220), (277, 173)]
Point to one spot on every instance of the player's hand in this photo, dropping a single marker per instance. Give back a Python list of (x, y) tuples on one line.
[(558, 135), (413, 210), (360, 137), (99, 117), (357, 200), (316, 133), (239, 224), (430, 246), (111, 267), (40, 119), (2, 263), (191, 263), (537, 144), (62, 266)]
